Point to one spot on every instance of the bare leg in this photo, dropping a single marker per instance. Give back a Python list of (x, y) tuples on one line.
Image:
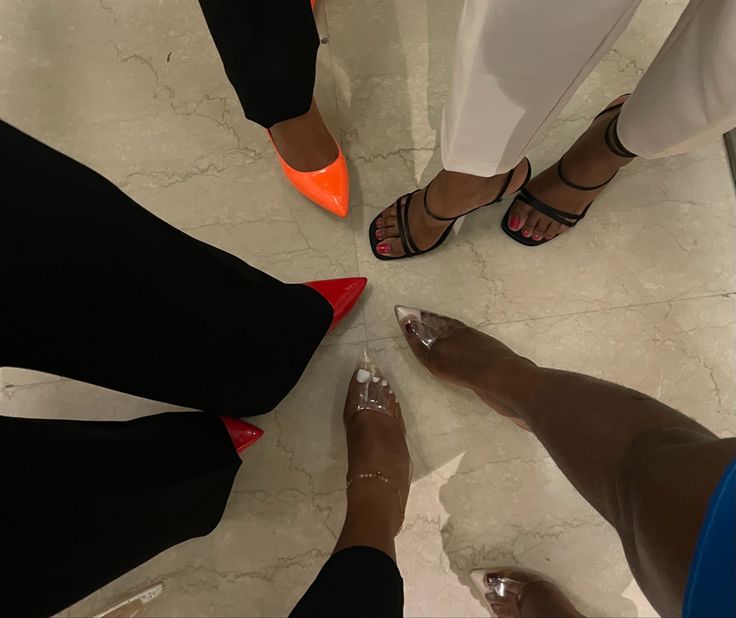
[(376, 443), (648, 469), (361, 578)]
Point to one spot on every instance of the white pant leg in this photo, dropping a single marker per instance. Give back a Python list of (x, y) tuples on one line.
[(687, 97), (517, 63)]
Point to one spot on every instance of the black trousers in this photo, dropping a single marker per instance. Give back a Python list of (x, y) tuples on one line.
[(84, 502), (269, 51), (102, 291), (358, 581)]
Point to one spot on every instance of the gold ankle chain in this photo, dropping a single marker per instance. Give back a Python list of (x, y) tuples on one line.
[(384, 479)]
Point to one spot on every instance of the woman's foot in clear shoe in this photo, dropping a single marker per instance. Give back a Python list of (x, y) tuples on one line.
[(464, 356), (514, 593), (379, 465)]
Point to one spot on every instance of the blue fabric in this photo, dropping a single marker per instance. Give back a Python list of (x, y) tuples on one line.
[(711, 585)]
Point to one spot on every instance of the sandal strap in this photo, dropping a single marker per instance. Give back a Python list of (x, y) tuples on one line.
[(574, 185), (402, 217), (565, 218), (498, 198), (614, 142)]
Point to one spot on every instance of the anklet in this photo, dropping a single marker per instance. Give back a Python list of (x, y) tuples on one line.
[(381, 477)]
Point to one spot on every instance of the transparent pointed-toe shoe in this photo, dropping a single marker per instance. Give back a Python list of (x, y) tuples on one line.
[(241, 433), (342, 294), (503, 588), (424, 327), (328, 187)]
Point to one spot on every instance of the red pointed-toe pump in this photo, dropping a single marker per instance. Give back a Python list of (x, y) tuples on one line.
[(241, 433), (342, 294)]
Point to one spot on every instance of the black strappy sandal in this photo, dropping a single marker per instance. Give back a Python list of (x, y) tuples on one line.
[(402, 219), (567, 218)]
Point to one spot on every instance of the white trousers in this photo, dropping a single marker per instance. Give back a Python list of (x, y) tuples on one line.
[(518, 62)]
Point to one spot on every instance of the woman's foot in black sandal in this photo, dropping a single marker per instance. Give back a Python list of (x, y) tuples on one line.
[(560, 196), (420, 221)]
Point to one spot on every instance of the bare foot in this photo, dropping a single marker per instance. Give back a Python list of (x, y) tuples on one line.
[(464, 356), (450, 195), (379, 465), (589, 162), (305, 142)]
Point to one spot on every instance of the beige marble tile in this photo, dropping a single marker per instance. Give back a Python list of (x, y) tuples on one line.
[(642, 293)]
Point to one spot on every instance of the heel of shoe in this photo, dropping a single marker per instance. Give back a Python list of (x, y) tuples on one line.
[(342, 294), (242, 434)]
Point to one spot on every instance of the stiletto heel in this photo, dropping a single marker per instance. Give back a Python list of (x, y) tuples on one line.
[(328, 187), (241, 433), (342, 294)]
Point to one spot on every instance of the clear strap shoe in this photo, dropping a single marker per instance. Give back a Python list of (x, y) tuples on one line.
[(503, 589), (371, 393)]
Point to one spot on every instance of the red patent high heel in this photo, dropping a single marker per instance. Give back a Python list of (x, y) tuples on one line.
[(241, 433), (342, 294)]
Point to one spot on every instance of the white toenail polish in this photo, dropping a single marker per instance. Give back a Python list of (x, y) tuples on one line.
[(384, 383), (376, 378), (362, 376)]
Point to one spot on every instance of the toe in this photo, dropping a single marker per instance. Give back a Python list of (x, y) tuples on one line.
[(540, 229), (553, 229), (389, 229), (518, 215), (527, 231), (390, 247)]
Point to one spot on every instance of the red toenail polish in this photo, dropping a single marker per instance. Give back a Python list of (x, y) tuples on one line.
[(379, 234), (410, 328), (383, 248), (525, 233), (537, 237), (379, 223), (514, 223)]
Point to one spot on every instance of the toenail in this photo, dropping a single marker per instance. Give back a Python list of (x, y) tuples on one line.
[(537, 237), (525, 233), (379, 222), (379, 234), (383, 247), (514, 223)]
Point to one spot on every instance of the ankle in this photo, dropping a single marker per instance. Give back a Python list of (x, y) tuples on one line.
[(372, 501), (460, 184)]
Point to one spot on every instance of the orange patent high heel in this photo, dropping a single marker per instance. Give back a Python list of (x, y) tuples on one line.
[(241, 433), (328, 187), (342, 294)]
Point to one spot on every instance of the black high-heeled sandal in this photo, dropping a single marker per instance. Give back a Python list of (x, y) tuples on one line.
[(402, 218), (567, 218)]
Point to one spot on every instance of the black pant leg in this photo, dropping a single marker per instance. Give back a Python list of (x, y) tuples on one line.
[(357, 581), (84, 502), (107, 293), (269, 51)]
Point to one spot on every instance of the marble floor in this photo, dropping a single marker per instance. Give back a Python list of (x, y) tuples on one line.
[(643, 293)]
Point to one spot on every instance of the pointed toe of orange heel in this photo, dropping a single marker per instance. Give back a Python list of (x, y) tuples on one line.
[(241, 433), (328, 187), (342, 294)]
